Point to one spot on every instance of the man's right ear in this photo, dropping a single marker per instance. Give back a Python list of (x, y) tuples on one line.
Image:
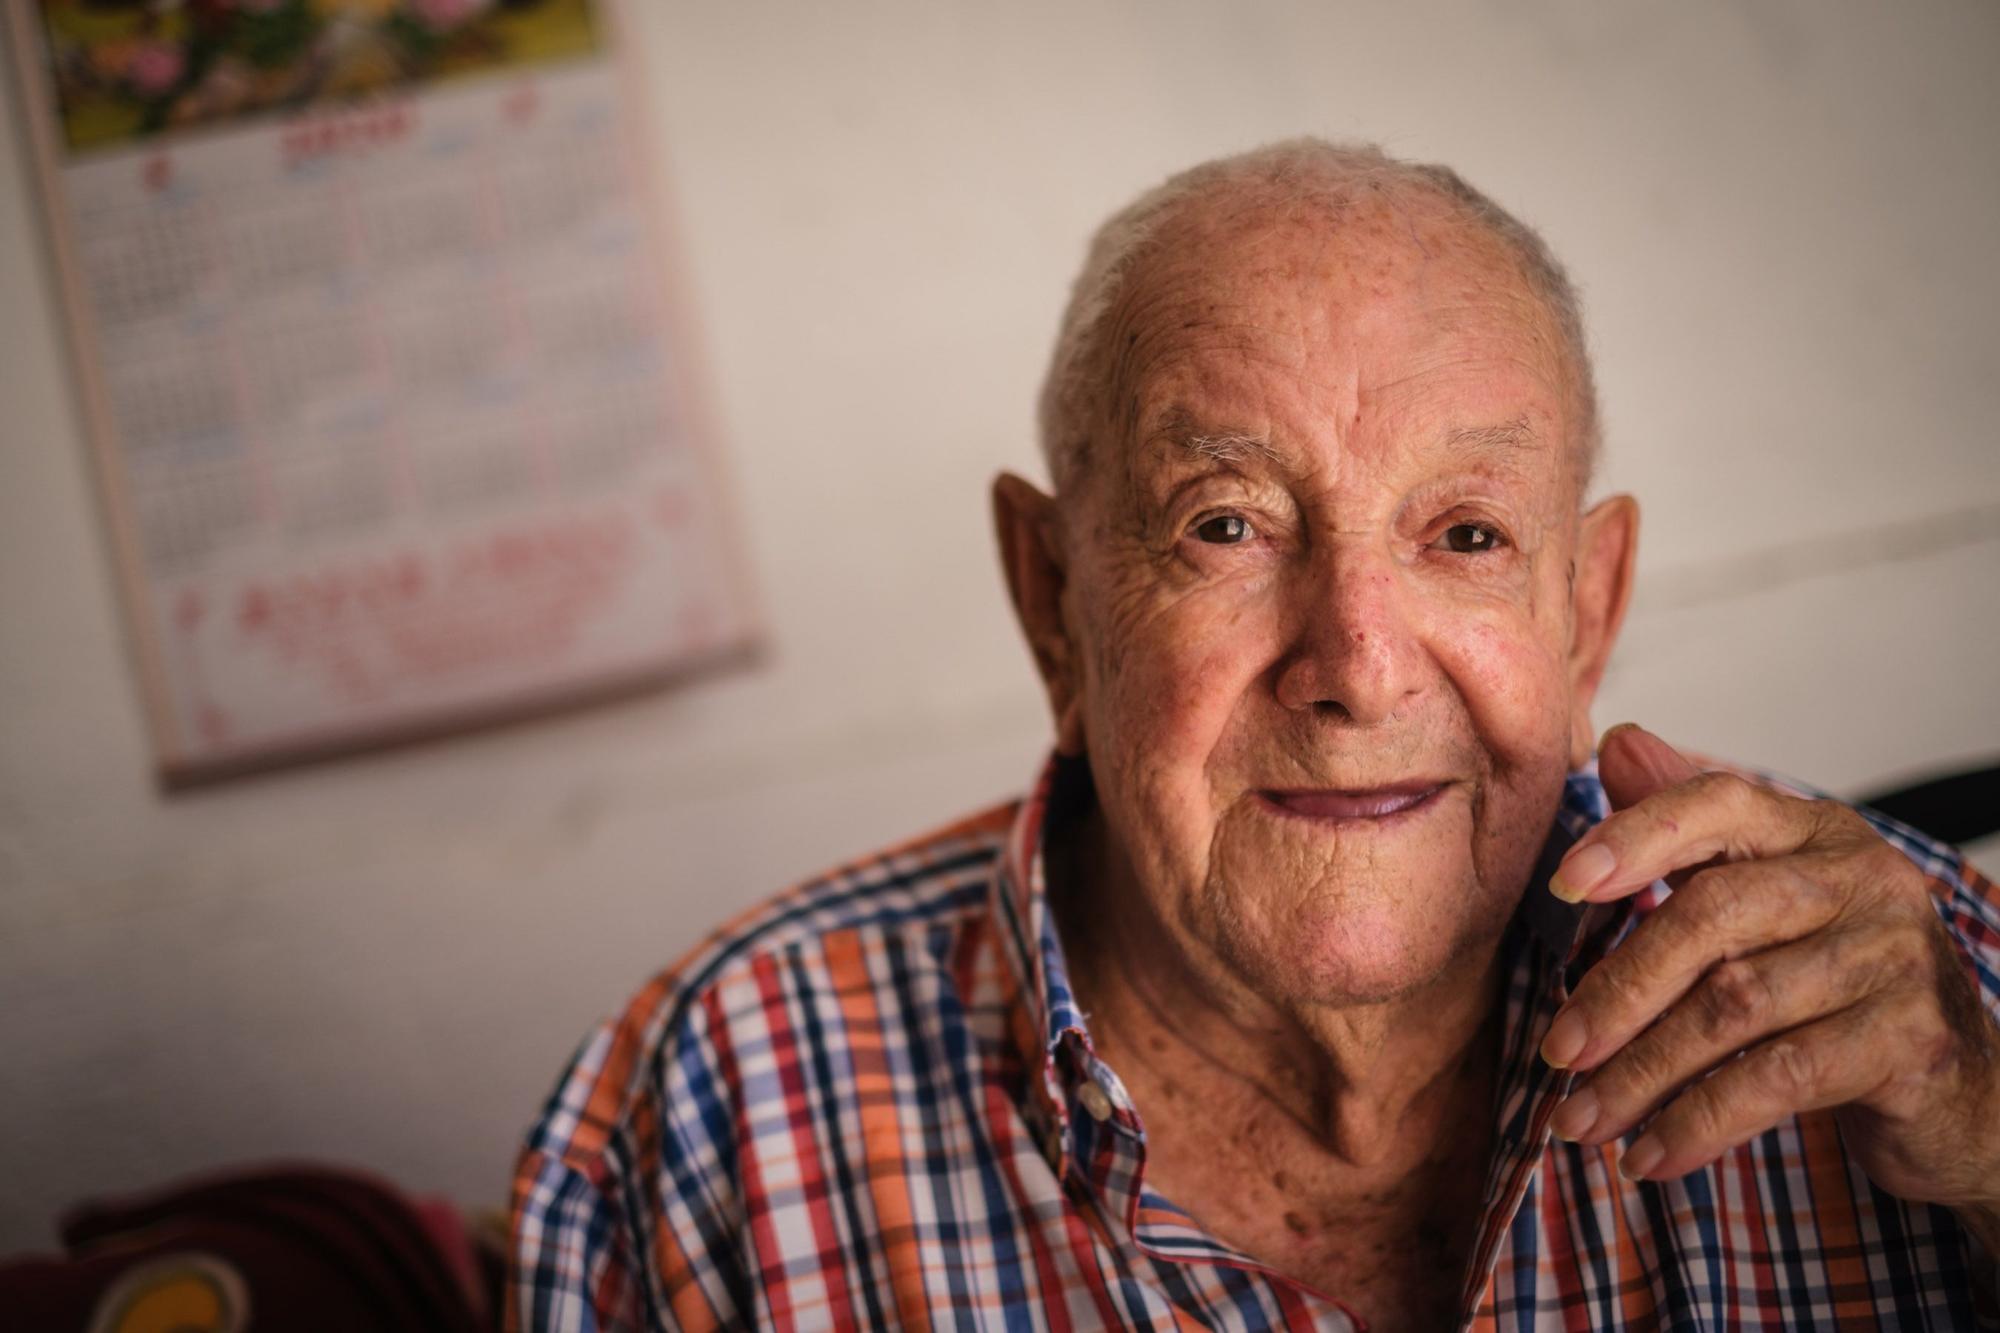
[(1031, 553)]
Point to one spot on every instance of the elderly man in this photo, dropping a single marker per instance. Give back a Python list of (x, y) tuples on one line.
[(1331, 976)]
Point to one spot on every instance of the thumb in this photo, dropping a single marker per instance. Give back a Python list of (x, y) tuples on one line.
[(1634, 763)]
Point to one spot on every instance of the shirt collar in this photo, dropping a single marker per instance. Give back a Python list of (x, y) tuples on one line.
[(1046, 1018), (1577, 934)]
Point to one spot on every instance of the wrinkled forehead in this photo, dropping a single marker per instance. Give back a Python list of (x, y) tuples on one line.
[(1244, 317)]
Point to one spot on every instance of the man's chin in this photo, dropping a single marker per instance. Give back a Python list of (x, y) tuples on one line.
[(1350, 942), (1350, 963)]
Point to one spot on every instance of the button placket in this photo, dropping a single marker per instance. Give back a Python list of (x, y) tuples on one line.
[(1052, 1147)]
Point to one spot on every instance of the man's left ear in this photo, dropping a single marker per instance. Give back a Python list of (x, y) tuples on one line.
[(1607, 551)]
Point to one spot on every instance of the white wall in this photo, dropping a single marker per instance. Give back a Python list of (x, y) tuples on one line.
[(1783, 216)]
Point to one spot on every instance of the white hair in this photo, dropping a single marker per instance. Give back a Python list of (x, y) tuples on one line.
[(1296, 172)]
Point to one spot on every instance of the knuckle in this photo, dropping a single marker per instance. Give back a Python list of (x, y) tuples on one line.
[(1889, 951), (1903, 880), (1937, 1051), (1619, 990), (1862, 964), (1809, 879), (1735, 999), (1727, 789), (1723, 898), (1830, 816), (1641, 1073), (1884, 860), (1789, 1070), (1935, 1047), (1876, 865), (1912, 956), (1699, 1116), (1927, 1039)]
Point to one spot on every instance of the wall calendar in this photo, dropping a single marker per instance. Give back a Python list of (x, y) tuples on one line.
[(385, 363)]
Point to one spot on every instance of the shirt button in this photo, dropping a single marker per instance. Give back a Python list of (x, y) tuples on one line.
[(1094, 1100)]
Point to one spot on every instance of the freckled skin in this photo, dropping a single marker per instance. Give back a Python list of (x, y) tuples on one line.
[(1391, 584)]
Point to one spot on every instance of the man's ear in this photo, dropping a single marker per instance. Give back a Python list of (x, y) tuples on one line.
[(1607, 551), (1031, 554)]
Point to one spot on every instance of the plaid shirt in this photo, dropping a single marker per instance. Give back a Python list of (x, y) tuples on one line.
[(873, 1102)]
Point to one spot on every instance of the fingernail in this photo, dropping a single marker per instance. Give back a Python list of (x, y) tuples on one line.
[(1641, 1157), (1575, 1116), (1585, 869), (1565, 1041)]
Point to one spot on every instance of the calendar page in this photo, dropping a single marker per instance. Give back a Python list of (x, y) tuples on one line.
[(385, 369)]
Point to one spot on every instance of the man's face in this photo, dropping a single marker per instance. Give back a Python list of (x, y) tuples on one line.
[(1318, 589)]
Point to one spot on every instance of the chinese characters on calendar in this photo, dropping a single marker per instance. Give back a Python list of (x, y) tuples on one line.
[(392, 403)]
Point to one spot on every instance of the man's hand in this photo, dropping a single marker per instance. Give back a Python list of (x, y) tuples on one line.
[(1798, 965)]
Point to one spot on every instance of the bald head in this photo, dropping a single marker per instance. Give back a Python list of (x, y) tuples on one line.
[(1310, 186)]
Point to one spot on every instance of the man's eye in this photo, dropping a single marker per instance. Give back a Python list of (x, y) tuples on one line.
[(1223, 530), (1471, 539)]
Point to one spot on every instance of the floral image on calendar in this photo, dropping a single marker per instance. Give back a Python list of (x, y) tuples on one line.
[(125, 69)]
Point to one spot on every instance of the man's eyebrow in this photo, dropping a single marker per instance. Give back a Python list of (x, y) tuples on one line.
[(1502, 443), (1211, 444)]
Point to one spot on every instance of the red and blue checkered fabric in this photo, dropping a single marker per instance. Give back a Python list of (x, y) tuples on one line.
[(869, 1104)]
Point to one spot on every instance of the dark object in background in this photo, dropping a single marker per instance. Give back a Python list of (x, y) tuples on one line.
[(1957, 808), (299, 1249)]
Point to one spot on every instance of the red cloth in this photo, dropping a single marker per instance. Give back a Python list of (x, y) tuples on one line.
[(302, 1249)]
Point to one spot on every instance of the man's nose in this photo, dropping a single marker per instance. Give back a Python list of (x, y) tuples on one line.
[(1353, 649)]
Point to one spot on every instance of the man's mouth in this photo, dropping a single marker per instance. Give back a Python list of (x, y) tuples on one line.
[(1370, 803)]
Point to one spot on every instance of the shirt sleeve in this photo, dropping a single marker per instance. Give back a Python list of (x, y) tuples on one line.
[(570, 1270), (1970, 906), (1972, 910), (626, 1215), (1966, 900)]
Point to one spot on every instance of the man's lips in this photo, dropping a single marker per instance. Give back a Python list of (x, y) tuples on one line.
[(1368, 803)]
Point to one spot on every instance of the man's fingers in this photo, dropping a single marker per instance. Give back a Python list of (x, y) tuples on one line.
[(1711, 816), (1633, 763), (1725, 912), (1838, 1060), (1733, 1006)]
